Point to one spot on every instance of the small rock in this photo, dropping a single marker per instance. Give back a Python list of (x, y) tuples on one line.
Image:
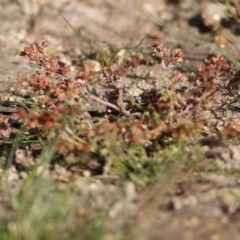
[(92, 66), (212, 15)]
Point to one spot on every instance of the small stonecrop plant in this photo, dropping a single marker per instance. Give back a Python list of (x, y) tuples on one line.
[(113, 75), (53, 91), (171, 115), (90, 140), (49, 78), (167, 58), (37, 57), (57, 106)]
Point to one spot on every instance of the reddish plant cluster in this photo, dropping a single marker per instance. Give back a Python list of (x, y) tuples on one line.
[(198, 93), (37, 57), (167, 57), (53, 82), (42, 122), (57, 96), (173, 113), (53, 86), (214, 67), (189, 98), (112, 73)]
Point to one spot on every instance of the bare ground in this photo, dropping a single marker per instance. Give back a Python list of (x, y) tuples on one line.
[(195, 205)]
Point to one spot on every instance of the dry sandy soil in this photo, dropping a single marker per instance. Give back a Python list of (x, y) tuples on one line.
[(195, 206)]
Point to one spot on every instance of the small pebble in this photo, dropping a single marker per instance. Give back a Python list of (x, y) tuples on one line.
[(92, 66), (212, 15)]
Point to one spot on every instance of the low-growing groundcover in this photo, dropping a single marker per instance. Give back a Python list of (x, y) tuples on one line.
[(120, 144)]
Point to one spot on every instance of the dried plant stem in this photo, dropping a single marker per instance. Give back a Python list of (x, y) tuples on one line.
[(120, 102), (99, 100)]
